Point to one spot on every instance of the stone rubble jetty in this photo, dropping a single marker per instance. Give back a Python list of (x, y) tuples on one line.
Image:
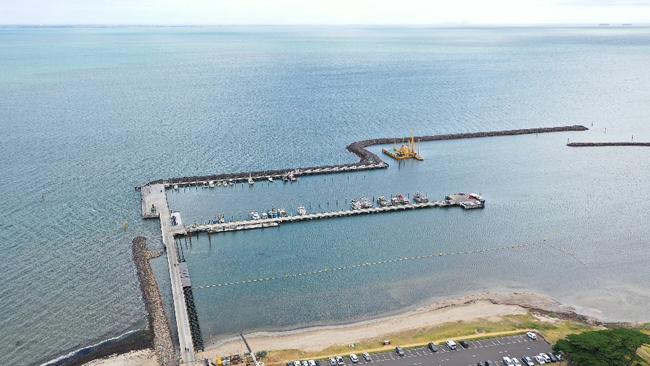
[(162, 339), (598, 144), (367, 159)]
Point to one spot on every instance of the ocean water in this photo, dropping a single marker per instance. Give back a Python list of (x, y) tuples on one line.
[(87, 114)]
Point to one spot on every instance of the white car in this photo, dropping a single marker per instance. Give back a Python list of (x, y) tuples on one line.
[(540, 360), (528, 361), (332, 362), (452, 345), (354, 358), (507, 361), (546, 358), (312, 363), (516, 361), (296, 363), (532, 335)]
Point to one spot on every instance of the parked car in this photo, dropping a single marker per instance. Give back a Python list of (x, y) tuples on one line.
[(366, 356), (540, 360), (528, 361), (297, 363), (433, 347), (332, 362), (546, 358), (489, 363), (354, 358), (452, 345), (516, 362), (552, 357), (339, 361), (318, 363), (464, 344), (305, 363), (507, 361), (532, 335), (559, 356), (399, 351)]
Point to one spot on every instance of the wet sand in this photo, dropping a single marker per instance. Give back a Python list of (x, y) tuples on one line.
[(467, 308)]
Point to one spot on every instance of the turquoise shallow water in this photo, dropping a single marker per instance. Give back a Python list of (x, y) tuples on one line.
[(89, 113)]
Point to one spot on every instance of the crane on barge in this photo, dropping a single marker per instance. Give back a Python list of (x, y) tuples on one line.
[(407, 151)]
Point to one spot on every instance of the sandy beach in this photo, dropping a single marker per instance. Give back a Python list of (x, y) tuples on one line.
[(145, 357), (490, 306)]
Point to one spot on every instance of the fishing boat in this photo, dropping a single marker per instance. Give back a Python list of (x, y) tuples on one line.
[(399, 199), (250, 180), (420, 198), (176, 187), (255, 215), (361, 203), (265, 216), (292, 177), (383, 202), (283, 213), (301, 211), (271, 179), (211, 184)]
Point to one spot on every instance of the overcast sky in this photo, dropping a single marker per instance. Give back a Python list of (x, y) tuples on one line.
[(323, 11)]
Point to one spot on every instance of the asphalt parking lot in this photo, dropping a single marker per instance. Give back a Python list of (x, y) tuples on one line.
[(492, 349)]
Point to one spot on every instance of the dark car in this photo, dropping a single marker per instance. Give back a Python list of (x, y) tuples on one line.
[(553, 358), (559, 357), (490, 363), (433, 347), (399, 351), (464, 344)]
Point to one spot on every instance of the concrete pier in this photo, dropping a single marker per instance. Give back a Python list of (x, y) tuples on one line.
[(273, 222), (154, 195)]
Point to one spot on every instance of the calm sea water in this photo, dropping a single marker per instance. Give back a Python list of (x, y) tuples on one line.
[(89, 113)]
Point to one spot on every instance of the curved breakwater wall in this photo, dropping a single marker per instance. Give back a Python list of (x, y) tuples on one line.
[(597, 144), (367, 159)]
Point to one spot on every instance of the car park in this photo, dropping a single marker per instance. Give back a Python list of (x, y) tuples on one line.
[(464, 344), (452, 345), (366, 356), (531, 335), (399, 351), (433, 347), (354, 358)]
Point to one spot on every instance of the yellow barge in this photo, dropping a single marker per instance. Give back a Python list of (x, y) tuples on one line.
[(407, 151)]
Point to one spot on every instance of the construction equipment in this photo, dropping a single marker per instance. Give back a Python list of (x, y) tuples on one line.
[(406, 151)]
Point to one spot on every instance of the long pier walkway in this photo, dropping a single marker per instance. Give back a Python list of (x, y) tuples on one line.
[(272, 222), (154, 204)]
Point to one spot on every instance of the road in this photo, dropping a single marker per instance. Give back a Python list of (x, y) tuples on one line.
[(492, 349)]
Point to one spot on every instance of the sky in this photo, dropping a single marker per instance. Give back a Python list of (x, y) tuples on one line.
[(215, 12)]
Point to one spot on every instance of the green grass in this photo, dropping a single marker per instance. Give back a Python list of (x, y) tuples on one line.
[(478, 329)]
